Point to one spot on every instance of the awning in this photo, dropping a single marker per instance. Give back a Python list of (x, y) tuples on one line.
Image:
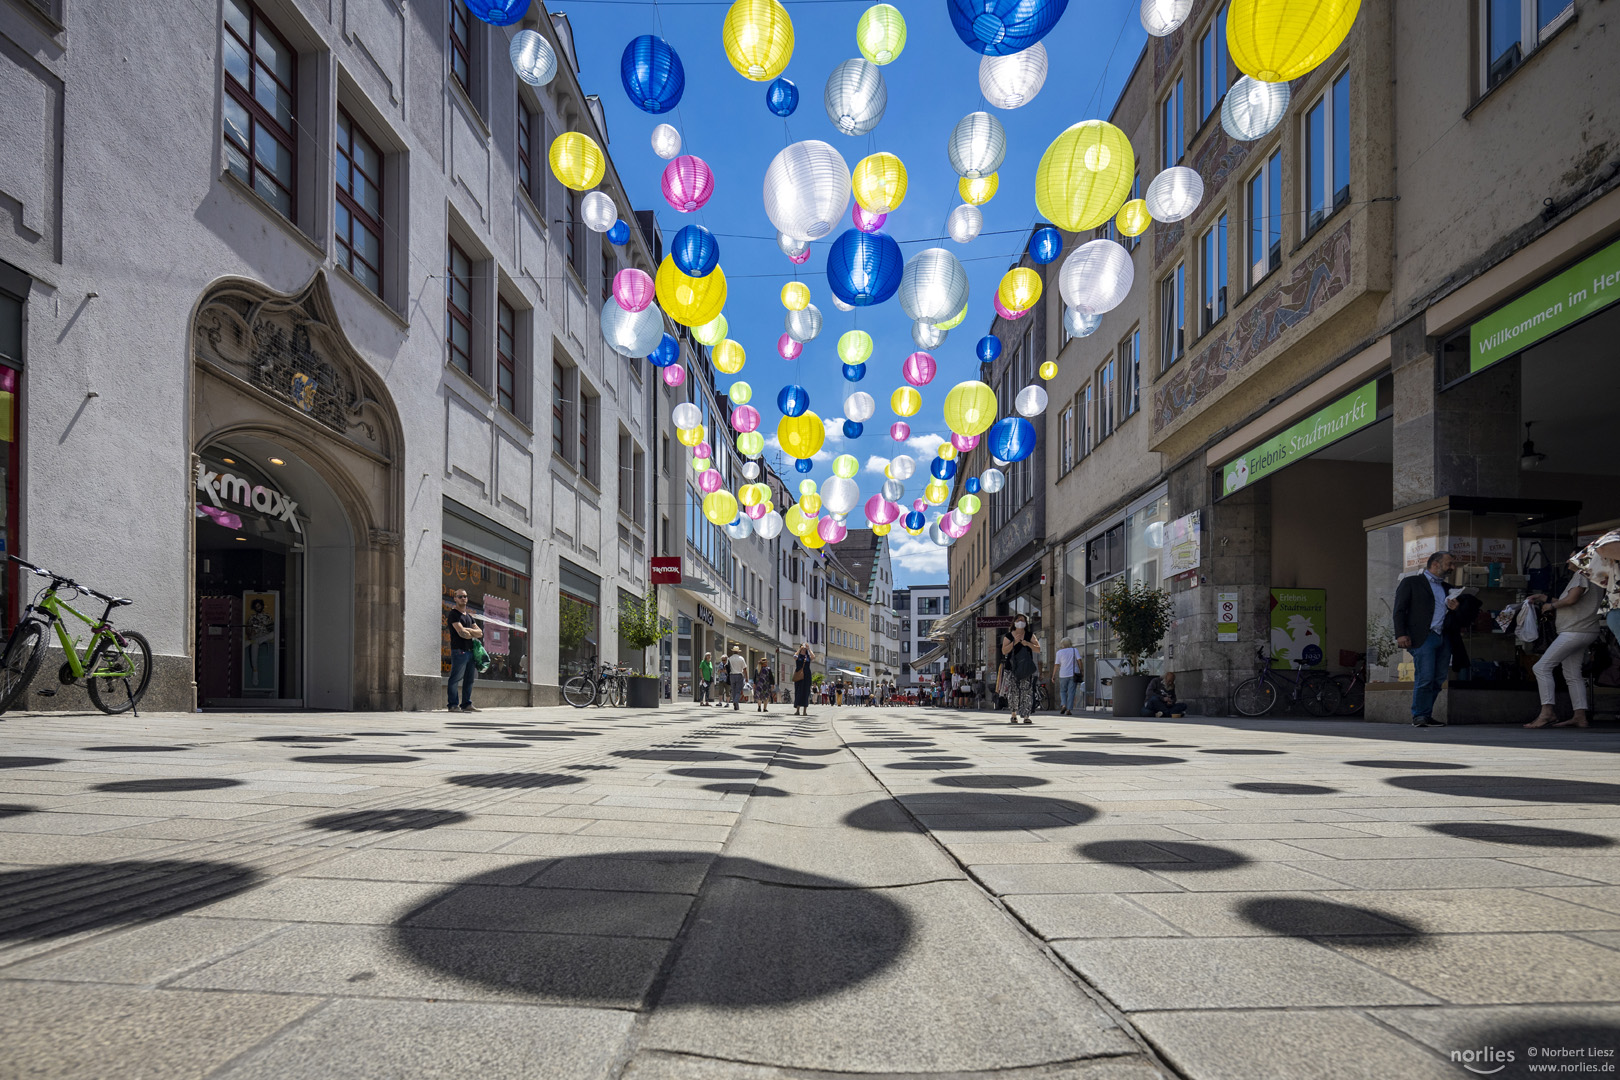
[(851, 674), (950, 622), (929, 657)]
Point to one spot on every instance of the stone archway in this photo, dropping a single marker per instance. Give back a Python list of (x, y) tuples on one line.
[(279, 367)]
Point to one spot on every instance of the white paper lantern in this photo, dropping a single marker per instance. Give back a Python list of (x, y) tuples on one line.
[(894, 490), (977, 145), (1161, 18), (533, 58), (933, 287), (859, 407), (902, 467), (840, 305), (632, 333), (807, 190), (856, 96), (599, 211), (1174, 193), (741, 529), (685, 416), (751, 470), (1080, 323), (964, 223), (803, 326), (1096, 277), (1010, 81), (791, 246), (927, 335), (992, 480), (1031, 401), (666, 141), (839, 495), (940, 536), (960, 518), (769, 527), (1253, 108)]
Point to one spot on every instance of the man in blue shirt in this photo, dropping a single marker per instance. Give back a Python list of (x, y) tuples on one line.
[(1420, 610)]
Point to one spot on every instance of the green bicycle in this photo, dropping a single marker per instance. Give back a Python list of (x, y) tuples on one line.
[(119, 663)]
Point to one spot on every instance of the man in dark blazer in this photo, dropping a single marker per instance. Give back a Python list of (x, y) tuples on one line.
[(1420, 612)]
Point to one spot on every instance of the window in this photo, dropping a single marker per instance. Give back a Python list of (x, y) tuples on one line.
[(1212, 76), (609, 268), (500, 597), (1265, 220), (1130, 375), (1212, 273), (1088, 430), (461, 52), (1130, 242), (506, 356), (626, 487), (1506, 27), (665, 459), (1172, 316), (559, 422), (1066, 440), (1327, 154), (525, 133), (1104, 382), (573, 241), (261, 69), (359, 204), (1170, 130), (587, 425), (458, 306)]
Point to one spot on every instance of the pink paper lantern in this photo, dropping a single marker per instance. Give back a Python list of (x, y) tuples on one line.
[(711, 481), (633, 289), (964, 443), (899, 431), (831, 531), (919, 369), (865, 220), (880, 511), (1010, 316), (919, 505), (674, 375), (787, 348), (756, 511), (951, 527), (688, 183), (745, 418), (703, 451), (801, 258)]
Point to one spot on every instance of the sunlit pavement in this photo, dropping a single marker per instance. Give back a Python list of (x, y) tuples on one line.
[(698, 892)]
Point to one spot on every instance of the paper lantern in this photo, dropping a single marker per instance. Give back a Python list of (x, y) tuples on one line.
[(796, 521), (977, 145), (688, 183), (795, 296), (633, 289), (701, 450), (701, 465), (879, 183), (577, 161), (894, 490), (830, 531), (741, 529), (739, 393), (864, 219), (840, 494), (758, 38), (792, 400), (971, 486), (806, 489), (1020, 289), (936, 491), (1006, 312), (1096, 277), (652, 74), (598, 211), (1277, 41), (1084, 176), (1253, 108), (751, 470), (846, 465), (942, 469), (619, 234), (1014, 79), (632, 333), (1174, 194), (1080, 323), (710, 481), (934, 286), (880, 511), (792, 247), (964, 223), (854, 372), (899, 431), (499, 12), (804, 465), (970, 408), (806, 189), (674, 375), (919, 368), (946, 451), (690, 301), (801, 436), (533, 58), (859, 406), (750, 444), (970, 503), (881, 33), (1001, 27), (992, 481), (1048, 370), (720, 507), (853, 429), (963, 443), (810, 504), (855, 347), (864, 268), (905, 401), (980, 191), (915, 522), (926, 335), (1012, 438), (800, 259), (803, 326), (712, 332), (745, 418), (1133, 218), (729, 356), (769, 527), (1031, 401), (695, 251), (856, 97), (988, 348), (954, 321), (787, 348), (1161, 18), (1045, 244), (691, 435), (667, 352), (901, 467), (686, 415), (666, 141), (782, 97)]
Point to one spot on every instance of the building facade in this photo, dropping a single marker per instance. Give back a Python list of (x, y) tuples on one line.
[(866, 556), (848, 632), (919, 609)]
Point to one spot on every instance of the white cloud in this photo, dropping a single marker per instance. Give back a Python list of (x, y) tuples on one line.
[(835, 428), (920, 556), (875, 464), (926, 445)]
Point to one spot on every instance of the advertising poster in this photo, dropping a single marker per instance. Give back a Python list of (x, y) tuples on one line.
[(261, 632), (1182, 538), (497, 614), (1298, 621)]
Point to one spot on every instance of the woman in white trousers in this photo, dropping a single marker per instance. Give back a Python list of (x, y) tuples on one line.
[(1577, 624)]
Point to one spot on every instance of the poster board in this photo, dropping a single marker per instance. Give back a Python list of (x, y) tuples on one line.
[(261, 641), (1298, 627)]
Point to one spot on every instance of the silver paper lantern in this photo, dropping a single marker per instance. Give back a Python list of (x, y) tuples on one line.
[(927, 335), (894, 490), (977, 145), (666, 141), (856, 96), (1031, 401), (1080, 323), (933, 287), (632, 333), (964, 223), (902, 467), (533, 58), (1174, 194), (598, 211), (859, 407), (1161, 18), (1013, 80), (791, 246), (807, 190), (769, 527), (803, 326), (940, 536), (992, 480), (685, 415), (1096, 277), (751, 470), (839, 495), (1253, 108), (741, 529), (840, 305)]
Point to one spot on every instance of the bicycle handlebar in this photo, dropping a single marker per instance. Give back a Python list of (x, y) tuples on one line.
[(59, 579)]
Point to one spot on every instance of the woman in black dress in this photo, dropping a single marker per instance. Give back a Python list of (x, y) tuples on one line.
[(764, 685), (1019, 648), (801, 681)]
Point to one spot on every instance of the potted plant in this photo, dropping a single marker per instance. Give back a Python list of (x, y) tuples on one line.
[(1139, 616), (640, 626)]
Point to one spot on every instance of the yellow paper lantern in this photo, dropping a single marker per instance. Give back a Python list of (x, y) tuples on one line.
[(750, 444), (947, 452), (811, 504), (729, 356), (700, 465), (880, 530), (812, 539), (881, 33), (954, 321), (970, 408), (1085, 175), (801, 436), (748, 494), (690, 436), (1049, 371), (796, 522), (1133, 218), (980, 191), (855, 347), (758, 38), (968, 504), (690, 301), (795, 296), (936, 492), (879, 181), (720, 507), (846, 466), (577, 161), (914, 532), (713, 332), (1279, 40), (1020, 289), (905, 401)]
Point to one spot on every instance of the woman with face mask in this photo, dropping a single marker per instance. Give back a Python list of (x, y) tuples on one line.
[(1018, 648)]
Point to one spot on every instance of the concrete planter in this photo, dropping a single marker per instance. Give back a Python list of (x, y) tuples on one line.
[(1130, 692), (643, 692)]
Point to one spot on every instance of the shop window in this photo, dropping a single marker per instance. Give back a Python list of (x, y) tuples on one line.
[(579, 619), (500, 599), (261, 106), (1512, 29), (1130, 375), (1172, 139), (1212, 76), (1327, 154), (1265, 220), (1212, 273), (1172, 316), (1105, 391), (458, 307)]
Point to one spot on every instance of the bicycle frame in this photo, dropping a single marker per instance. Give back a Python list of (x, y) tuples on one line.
[(55, 606)]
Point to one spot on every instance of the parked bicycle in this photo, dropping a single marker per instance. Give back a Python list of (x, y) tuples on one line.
[(610, 685), (116, 666), (1311, 690), (1348, 694)]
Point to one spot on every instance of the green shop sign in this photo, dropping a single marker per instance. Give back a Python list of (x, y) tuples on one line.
[(1590, 285), (1350, 413)]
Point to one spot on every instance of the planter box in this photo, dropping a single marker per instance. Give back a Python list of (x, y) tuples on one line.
[(1130, 692), (643, 692)]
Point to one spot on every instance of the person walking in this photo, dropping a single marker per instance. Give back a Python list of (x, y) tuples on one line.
[(705, 678), (464, 634), (737, 669), (1066, 666), (1599, 562), (764, 685), (801, 680), (1019, 647), (1419, 614), (1577, 624)]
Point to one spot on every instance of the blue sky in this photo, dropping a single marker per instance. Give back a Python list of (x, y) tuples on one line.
[(933, 84)]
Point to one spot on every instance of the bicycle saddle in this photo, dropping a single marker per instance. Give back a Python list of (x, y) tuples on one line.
[(119, 601)]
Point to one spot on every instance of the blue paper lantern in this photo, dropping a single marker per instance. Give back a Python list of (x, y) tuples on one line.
[(864, 268), (695, 251), (1003, 27), (652, 74), (804, 464), (942, 469), (971, 485), (853, 429), (793, 400), (667, 352), (854, 372), (782, 97), (619, 235), (1012, 438), (499, 12), (989, 348), (915, 520), (1045, 245)]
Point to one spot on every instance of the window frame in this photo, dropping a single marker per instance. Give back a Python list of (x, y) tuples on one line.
[(1213, 84), (460, 46), (1172, 300), (587, 413), (1212, 275), (1172, 114), (524, 160), (1130, 390), (573, 242), (1105, 383), (1269, 176), (246, 98), (1332, 203), (454, 315), (346, 201), (559, 416), (1529, 31), (506, 333)]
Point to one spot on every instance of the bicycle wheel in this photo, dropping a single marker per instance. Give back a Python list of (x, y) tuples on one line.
[(1313, 688), (24, 652), (1254, 697), (117, 677), (616, 692), (1352, 694), (579, 691)]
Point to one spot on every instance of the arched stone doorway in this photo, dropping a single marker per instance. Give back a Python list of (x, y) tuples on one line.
[(297, 452)]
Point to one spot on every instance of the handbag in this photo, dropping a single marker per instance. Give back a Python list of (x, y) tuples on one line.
[(798, 674), (480, 657), (1540, 577)]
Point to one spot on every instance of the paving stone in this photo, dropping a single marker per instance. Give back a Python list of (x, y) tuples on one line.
[(1518, 1028), (145, 955), (1604, 869), (429, 866), (1088, 915), (1495, 968), (855, 857), (1462, 911), (331, 900), (1012, 878), (1273, 1045), (1437, 873), (555, 911), (1222, 914)]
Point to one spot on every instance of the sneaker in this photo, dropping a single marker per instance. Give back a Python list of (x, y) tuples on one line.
[(1014, 720), (1027, 720), (471, 708), (1425, 721)]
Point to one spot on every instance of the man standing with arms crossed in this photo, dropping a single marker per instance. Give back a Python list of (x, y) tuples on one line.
[(464, 633)]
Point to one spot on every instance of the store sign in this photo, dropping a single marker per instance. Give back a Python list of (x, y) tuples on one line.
[(706, 615), (1183, 538), (227, 487), (666, 570), (1587, 287), (1349, 414), (993, 622), (1226, 616)]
